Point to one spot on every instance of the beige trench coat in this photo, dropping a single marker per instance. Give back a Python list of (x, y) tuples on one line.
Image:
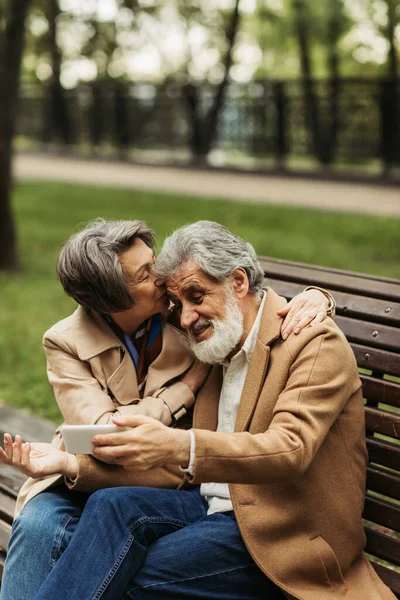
[(94, 378)]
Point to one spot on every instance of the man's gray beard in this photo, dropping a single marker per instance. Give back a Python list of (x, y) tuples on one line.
[(225, 337)]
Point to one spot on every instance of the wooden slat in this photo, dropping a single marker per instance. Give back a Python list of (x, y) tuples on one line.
[(388, 576), (382, 512), (2, 561), (383, 453), (382, 545), (11, 480), (7, 507), (382, 421), (370, 334), (5, 531), (377, 360), (381, 390), (347, 304), (383, 482), (355, 283)]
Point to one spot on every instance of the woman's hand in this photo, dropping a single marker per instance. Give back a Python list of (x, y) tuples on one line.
[(308, 308), (37, 459)]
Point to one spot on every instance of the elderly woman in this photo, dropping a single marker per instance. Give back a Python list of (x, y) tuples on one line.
[(119, 353)]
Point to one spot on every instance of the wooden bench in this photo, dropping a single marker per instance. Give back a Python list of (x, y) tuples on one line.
[(368, 311)]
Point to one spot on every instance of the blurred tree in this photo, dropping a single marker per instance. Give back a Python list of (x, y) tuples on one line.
[(204, 120), (12, 27), (390, 102), (311, 105), (56, 118)]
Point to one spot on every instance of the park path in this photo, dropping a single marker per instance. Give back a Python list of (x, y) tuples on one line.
[(263, 189)]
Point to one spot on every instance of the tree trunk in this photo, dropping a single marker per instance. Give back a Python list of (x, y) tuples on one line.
[(11, 48), (204, 129), (391, 126), (56, 119), (334, 29), (311, 108)]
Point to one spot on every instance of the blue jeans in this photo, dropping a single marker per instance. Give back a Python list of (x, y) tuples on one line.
[(154, 544), (39, 535)]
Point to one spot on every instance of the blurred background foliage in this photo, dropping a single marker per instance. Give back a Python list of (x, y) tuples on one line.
[(151, 40)]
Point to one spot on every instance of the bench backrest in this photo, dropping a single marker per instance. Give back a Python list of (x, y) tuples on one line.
[(368, 312)]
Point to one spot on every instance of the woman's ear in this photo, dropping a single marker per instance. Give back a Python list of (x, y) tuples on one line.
[(240, 283)]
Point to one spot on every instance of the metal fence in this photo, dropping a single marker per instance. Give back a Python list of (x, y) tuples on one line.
[(346, 123)]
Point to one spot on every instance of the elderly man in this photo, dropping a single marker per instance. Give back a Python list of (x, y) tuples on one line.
[(277, 446)]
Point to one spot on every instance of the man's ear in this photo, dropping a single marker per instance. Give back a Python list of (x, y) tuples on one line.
[(240, 283)]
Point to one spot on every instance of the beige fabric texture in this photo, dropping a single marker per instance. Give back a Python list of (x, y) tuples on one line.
[(94, 378), (300, 442)]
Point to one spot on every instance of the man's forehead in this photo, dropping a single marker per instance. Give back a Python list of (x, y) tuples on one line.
[(187, 275)]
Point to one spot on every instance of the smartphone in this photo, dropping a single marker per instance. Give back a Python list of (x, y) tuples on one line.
[(78, 438)]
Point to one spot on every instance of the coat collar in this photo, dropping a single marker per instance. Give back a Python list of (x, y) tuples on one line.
[(269, 331), (270, 325), (206, 408), (92, 335)]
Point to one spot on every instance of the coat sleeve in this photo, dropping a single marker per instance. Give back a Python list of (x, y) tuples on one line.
[(94, 475), (322, 379), (82, 400)]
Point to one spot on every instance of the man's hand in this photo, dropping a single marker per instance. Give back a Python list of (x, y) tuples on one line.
[(36, 459), (147, 444), (307, 308)]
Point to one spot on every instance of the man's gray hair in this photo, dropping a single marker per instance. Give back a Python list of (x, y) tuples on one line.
[(217, 251), (89, 267)]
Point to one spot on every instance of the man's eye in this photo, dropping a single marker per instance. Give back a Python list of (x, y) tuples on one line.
[(197, 299)]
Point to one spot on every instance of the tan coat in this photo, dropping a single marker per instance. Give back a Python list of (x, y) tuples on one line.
[(300, 442), (94, 378)]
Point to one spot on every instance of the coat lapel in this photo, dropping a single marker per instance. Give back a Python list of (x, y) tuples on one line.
[(269, 331), (205, 414), (173, 360)]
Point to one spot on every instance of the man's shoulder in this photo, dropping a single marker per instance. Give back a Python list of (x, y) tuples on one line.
[(325, 335)]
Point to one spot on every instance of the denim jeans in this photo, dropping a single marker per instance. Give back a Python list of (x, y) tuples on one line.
[(38, 537), (154, 544)]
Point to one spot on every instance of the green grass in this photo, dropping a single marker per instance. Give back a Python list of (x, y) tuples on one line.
[(47, 214)]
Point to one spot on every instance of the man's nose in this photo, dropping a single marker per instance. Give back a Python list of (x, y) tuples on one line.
[(188, 317)]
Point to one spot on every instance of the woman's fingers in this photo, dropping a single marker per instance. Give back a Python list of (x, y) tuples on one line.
[(8, 446), (25, 460), (17, 450), (319, 317)]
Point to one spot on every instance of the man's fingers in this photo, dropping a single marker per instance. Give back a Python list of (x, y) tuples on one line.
[(131, 420), (112, 439), (114, 451)]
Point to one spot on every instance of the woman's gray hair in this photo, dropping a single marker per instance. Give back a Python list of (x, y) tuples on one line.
[(89, 267), (217, 251)]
